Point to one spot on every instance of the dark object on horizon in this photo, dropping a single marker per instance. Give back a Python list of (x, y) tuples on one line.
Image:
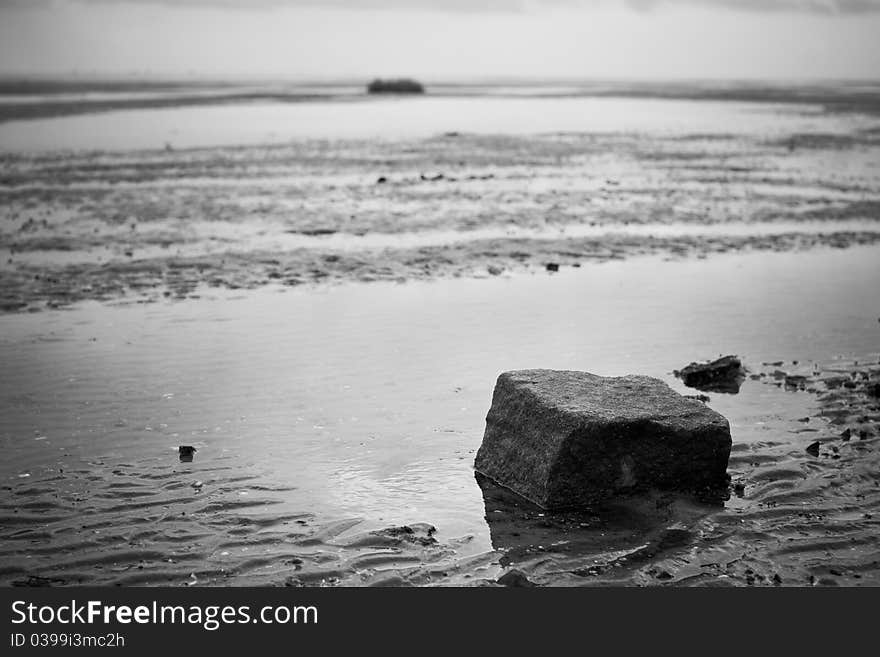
[(395, 86), (186, 453), (723, 375), (552, 266), (565, 439)]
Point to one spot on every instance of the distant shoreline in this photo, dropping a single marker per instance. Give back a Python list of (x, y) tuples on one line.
[(38, 98)]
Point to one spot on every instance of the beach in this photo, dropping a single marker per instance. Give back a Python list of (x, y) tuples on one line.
[(318, 294)]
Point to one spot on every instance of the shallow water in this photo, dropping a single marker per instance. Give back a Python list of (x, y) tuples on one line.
[(321, 411), (409, 118)]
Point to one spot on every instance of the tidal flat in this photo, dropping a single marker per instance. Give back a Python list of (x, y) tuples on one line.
[(319, 296)]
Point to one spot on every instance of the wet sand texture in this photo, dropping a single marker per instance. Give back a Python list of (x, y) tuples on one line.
[(694, 230), (150, 224), (106, 501)]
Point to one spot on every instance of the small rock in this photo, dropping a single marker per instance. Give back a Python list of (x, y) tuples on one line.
[(516, 579), (795, 381), (186, 453), (293, 581), (725, 374), (813, 448), (552, 266), (846, 434), (381, 179), (417, 533)]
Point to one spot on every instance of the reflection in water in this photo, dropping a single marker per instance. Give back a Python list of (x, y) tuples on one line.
[(608, 539)]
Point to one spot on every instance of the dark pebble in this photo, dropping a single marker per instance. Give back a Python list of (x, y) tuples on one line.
[(515, 578)]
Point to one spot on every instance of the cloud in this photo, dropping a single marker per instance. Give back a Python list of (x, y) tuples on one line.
[(811, 6), (829, 7)]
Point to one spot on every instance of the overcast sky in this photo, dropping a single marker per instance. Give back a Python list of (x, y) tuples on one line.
[(435, 39)]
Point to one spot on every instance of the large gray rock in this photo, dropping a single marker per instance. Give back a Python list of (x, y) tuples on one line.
[(565, 439)]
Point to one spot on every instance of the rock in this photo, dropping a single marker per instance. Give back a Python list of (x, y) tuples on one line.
[(563, 439), (552, 266), (723, 375), (813, 448), (186, 453), (381, 180), (293, 581), (419, 533), (515, 578), (795, 381)]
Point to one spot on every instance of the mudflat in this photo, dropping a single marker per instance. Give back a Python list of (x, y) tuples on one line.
[(324, 319)]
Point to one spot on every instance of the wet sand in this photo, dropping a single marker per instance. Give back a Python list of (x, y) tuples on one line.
[(148, 224), (327, 418), (324, 320)]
